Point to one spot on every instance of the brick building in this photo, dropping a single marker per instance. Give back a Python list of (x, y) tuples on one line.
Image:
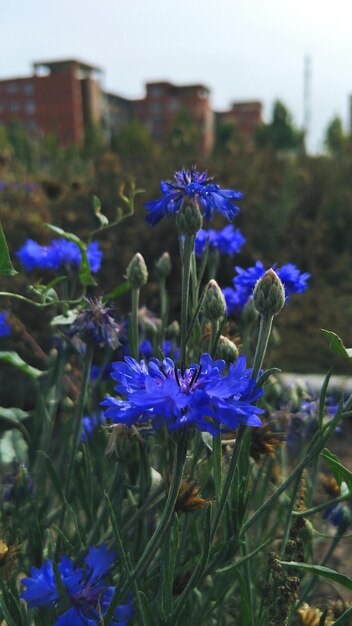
[(246, 117), (66, 97), (61, 97)]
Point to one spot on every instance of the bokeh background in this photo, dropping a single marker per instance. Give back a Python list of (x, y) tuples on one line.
[(292, 159)]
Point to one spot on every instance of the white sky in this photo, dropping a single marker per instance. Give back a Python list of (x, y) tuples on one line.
[(240, 49)]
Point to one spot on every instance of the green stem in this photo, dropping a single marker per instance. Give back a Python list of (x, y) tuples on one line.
[(266, 323), (321, 507), (77, 427), (163, 308), (162, 528), (186, 272), (134, 334)]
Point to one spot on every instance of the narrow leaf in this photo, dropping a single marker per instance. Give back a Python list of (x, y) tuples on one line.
[(13, 358), (97, 210), (6, 267), (320, 570), (341, 473), (336, 343)]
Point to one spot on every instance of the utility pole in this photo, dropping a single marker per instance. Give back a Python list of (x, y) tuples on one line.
[(307, 79)]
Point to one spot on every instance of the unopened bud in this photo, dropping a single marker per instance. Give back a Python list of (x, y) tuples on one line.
[(269, 294), (189, 219), (226, 350), (137, 273), (163, 265), (173, 330), (214, 305)]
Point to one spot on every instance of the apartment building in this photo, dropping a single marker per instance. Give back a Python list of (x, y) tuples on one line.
[(66, 97)]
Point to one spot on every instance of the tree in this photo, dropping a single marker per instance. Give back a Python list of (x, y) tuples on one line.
[(335, 138), (280, 133)]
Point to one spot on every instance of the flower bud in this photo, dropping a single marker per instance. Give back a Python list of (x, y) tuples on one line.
[(214, 305), (226, 350), (173, 330), (189, 219), (269, 294), (137, 273), (163, 265)]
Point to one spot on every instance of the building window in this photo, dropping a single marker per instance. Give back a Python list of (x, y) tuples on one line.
[(32, 125), (155, 107), (202, 93), (155, 91), (174, 105), (11, 88), (14, 106), (28, 88), (30, 107)]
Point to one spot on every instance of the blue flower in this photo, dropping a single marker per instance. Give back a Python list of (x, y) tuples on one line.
[(60, 253), (339, 515), (228, 240), (4, 325), (293, 280), (234, 301), (86, 588), (195, 185), (167, 348), (201, 397), (89, 425)]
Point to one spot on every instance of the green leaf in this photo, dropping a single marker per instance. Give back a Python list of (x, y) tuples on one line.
[(65, 320), (344, 618), (320, 570), (84, 273), (13, 413), (6, 267), (13, 446), (97, 210), (118, 291), (341, 473), (13, 358), (336, 344)]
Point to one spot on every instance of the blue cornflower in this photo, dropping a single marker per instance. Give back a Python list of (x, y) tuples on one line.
[(293, 281), (228, 240), (201, 397), (86, 588), (60, 253), (90, 423), (194, 185), (4, 325), (234, 301), (167, 348), (339, 515)]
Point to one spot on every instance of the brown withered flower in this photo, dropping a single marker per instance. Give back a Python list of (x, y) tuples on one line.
[(189, 498), (310, 616), (8, 554), (264, 441), (330, 485)]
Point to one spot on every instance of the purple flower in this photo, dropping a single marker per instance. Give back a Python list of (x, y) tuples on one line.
[(5, 328), (60, 253), (86, 588), (201, 397), (226, 241), (194, 185), (95, 323)]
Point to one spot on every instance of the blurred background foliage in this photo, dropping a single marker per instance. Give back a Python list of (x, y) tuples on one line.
[(297, 208)]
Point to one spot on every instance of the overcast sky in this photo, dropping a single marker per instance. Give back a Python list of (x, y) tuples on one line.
[(240, 49)]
